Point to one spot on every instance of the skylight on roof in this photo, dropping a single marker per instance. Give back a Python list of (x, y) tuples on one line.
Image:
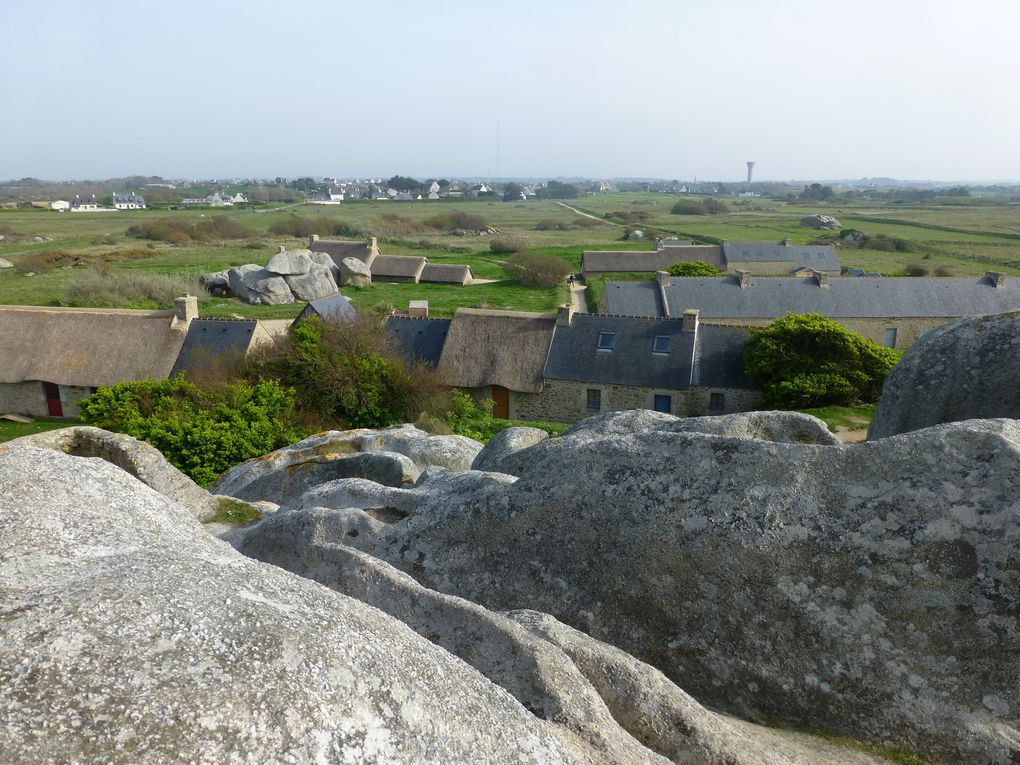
[(606, 341), (660, 344)]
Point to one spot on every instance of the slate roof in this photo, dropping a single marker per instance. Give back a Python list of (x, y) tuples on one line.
[(574, 356), (602, 261), (128, 198), (632, 299), (397, 266), (226, 340), (86, 347), (715, 358), (419, 339), (335, 306), (446, 273), (821, 257), (507, 348), (844, 297), (719, 358)]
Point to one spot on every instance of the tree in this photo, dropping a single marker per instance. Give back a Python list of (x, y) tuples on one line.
[(512, 192), (400, 183), (817, 191), (693, 268), (201, 431), (345, 374), (808, 360), (557, 190)]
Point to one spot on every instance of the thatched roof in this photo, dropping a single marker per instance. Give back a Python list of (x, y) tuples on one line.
[(338, 249), (446, 273), (397, 266), (507, 348), (87, 347)]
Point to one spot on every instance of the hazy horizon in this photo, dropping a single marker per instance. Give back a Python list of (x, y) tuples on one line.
[(455, 89)]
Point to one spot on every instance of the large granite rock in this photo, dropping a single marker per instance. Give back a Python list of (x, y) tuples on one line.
[(354, 273), (403, 452), (780, 427), (870, 590), (131, 635), (4, 263), (613, 703), (505, 443), (960, 371), (323, 259), (825, 222), (138, 458), (317, 282), (254, 284), (290, 262)]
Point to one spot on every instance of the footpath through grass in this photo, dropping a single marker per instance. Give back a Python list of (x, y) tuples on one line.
[(850, 417)]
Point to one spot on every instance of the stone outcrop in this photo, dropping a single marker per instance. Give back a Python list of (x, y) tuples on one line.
[(290, 262), (131, 635), (288, 276), (4, 263), (960, 371), (869, 590), (354, 273), (824, 222), (392, 456), (505, 443), (136, 457), (317, 282), (779, 427)]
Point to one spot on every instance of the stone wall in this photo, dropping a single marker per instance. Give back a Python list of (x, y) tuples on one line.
[(566, 401), (25, 398), (907, 330), (29, 398)]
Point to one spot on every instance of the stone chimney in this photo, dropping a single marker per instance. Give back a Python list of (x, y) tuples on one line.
[(786, 242), (822, 279), (690, 320), (564, 315), (745, 279), (280, 248), (185, 310), (998, 278), (313, 239), (662, 277)]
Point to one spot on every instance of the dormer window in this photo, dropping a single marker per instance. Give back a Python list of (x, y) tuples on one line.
[(606, 341), (660, 344)]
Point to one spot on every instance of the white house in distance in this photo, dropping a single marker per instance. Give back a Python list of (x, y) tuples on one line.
[(61, 205), (84, 204), (128, 201)]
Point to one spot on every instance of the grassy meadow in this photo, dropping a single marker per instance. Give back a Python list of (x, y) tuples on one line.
[(957, 240)]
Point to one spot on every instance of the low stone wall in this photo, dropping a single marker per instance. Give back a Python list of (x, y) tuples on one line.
[(29, 398)]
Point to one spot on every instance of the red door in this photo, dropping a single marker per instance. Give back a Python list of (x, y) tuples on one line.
[(53, 406), (500, 402)]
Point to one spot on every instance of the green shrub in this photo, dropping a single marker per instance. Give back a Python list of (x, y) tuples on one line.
[(693, 268), (808, 360), (346, 375), (504, 246), (457, 219), (552, 225), (534, 269), (465, 418), (201, 432), (182, 230), (699, 207), (915, 269)]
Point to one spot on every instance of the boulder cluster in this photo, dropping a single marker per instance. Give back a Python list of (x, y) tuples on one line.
[(289, 275), (824, 222), (640, 589)]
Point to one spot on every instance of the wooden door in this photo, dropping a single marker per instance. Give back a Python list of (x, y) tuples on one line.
[(500, 402), (53, 407)]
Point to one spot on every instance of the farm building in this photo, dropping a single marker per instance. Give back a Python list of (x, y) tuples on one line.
[(338, 249), (890, 311), (446, 273), (335, 307), (418, 339)]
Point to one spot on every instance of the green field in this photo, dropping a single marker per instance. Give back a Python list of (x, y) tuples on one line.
[(959, 240)]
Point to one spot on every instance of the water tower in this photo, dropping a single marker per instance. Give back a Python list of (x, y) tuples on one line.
[(750, 169)]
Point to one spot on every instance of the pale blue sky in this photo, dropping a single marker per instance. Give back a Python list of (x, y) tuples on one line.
[(905, 88)]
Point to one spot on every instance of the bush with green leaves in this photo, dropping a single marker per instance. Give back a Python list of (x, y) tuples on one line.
[(202, 432), (535, 269), (808, 360), (693, 268), (466, 418), (346, 375)]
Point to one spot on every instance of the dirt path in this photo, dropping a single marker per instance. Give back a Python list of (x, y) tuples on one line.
[(578, 298), (588, 215)]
